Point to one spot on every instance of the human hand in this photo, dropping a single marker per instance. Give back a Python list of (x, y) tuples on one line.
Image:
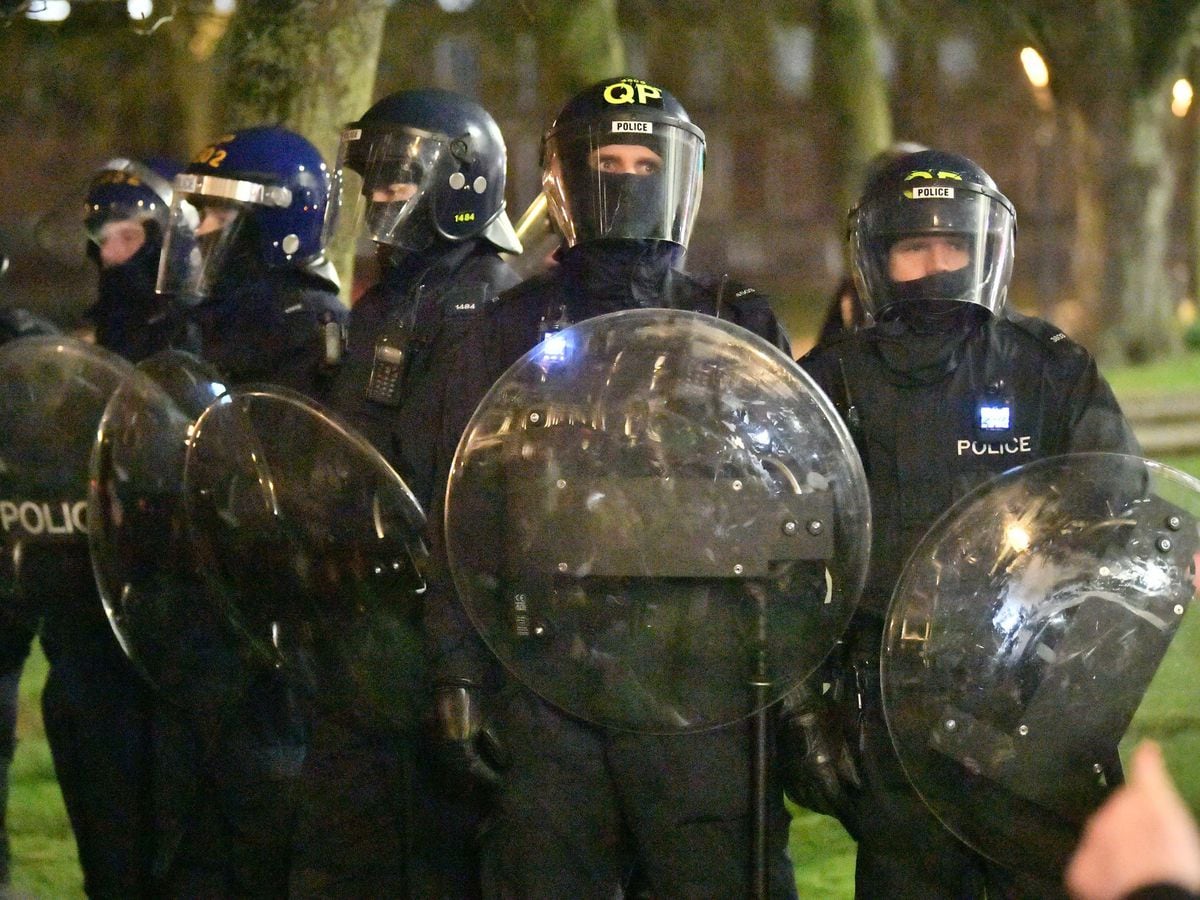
[(1142, 835)]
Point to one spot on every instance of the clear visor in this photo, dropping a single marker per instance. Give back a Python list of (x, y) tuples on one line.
[(931, 243), (99, 218), (206, 215), (380, 180), (622, 178)]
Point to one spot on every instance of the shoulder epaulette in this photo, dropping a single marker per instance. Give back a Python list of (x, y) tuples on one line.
[(518, 292), (1043, 332)]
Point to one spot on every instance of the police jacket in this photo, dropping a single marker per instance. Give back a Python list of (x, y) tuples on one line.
[(912, 394), (424, 302), (267, 325), (591, 279), (55, 586)]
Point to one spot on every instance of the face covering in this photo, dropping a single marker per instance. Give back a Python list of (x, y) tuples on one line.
[(953, 286), (128, 289)]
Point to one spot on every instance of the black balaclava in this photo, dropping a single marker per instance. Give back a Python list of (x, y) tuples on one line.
[(940, 284), (630, 204), (922, 340), (400, 267), (126, 300), (611, 275)]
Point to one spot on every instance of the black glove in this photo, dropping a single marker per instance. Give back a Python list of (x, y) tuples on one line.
[(471, 752), (816, 767)]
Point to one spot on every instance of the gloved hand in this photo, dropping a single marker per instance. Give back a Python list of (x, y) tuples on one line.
[(815, 763), (470, 749)]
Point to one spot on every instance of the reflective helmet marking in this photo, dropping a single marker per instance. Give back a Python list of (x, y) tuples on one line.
[(625, 91), (930, 193), (636, 127), (921, 173)]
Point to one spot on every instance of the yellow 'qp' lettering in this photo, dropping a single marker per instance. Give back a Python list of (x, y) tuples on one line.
[(624, 92)]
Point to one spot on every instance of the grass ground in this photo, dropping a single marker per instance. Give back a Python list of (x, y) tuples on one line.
[(43, 849), (45, 864), (44, 860)]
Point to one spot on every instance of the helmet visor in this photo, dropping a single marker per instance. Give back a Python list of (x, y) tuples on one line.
[(931, 243), (382, 177), (99, 217), (207, 214), (621, 178), (125, 190)]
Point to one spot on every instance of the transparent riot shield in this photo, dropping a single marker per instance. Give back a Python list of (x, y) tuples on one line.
[(1021, 640), (657, 521), (141, 551), (52, 395), (310, 543)]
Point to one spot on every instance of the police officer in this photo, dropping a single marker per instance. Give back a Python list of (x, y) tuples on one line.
[(16, 630), (95, 705), (424, 171), (580, 806), (244, 259), (945, 390), (128, 202)]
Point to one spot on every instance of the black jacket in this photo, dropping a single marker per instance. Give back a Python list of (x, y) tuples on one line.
[(590, 281), (265, 325), (910, 397), (432, 299)]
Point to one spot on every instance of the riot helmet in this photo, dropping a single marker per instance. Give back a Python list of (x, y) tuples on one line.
[(932, 227), (128, 204), (421, 165), (259, 191), (623, 161)]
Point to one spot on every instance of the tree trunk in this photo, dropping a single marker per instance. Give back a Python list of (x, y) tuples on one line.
[(308, 65), (578, 43), (1145, 324), (847, 31), (193, 40), (1110, 64), (1127, 184)]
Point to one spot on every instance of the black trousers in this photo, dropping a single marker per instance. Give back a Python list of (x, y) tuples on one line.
[(904, 851), (98, 727), (582, 806)]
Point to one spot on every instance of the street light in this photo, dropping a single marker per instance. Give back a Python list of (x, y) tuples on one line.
[(48, 10), (1035, 67), (1181, 97)]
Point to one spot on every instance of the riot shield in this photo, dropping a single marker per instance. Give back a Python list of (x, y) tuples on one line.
[(52, 394), (1022, 637), (657, 522), (311, 544), (141, 552)]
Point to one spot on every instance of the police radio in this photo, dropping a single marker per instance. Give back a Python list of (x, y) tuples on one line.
[(993, 413), (386, 384)]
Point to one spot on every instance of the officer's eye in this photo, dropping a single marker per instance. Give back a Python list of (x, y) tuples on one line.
[(648, 166), (913, 245)]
